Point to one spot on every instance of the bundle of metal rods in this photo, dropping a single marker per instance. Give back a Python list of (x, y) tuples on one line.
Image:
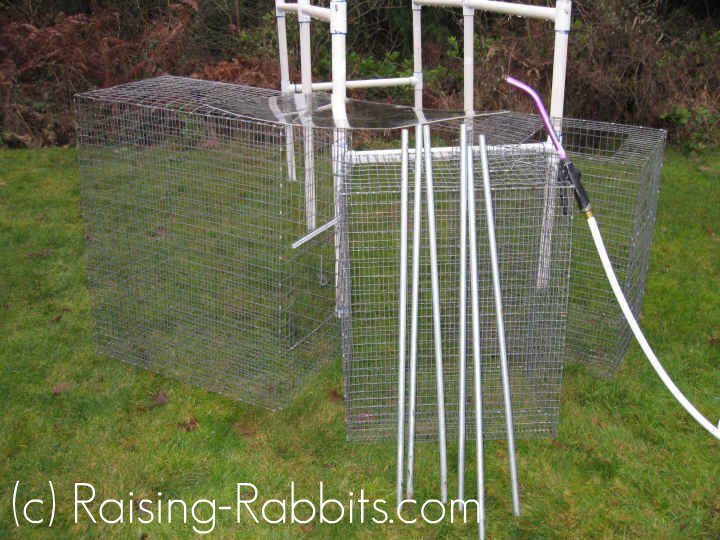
[(468, 239)]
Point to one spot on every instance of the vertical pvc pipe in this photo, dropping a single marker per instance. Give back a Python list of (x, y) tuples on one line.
[(469, 60), (417, 57), (563, 22), (437, 334), (306, 82), (341, 170), (462, 323), (412, 398), (285, 88), (500, 324), (402, 315), (477, 379), (338, 31)]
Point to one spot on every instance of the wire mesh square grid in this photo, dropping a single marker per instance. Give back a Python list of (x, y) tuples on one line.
[(621, 168), (195, 193), (191, 210), (533, 228)]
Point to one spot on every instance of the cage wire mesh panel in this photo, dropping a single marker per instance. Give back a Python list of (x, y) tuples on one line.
[(194, 192), (621, 168), (529, 214), (190, 216)]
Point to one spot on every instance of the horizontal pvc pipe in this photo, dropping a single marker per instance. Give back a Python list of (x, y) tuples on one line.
[(362, 83), (283, 6), (495, 6), (438, 153), (316, 12)]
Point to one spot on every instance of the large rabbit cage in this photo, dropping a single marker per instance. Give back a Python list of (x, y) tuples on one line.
[(238, 240)]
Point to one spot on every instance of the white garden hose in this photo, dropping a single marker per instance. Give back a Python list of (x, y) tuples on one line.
[(637, 332), (572, 175)]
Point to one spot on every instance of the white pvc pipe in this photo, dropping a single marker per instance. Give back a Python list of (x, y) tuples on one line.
[(494, 6), (338, 29), (563, 22), (637, 332), (417, 203), (469, 60), (402, 315), (417, 57), (500, 326), (341, 171), (440, 153), (462, 323), (316, 12), (477, 379), (308, 139), (287, 7), (437, 334), (303, 8), (284, 87), (362, 83)]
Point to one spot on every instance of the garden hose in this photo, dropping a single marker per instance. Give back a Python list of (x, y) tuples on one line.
[(571, 176)]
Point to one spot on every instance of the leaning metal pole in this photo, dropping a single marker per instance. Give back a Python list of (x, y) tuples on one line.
[(437, 335), (412, 398), (500, 325), (475, 302), (402, 315)]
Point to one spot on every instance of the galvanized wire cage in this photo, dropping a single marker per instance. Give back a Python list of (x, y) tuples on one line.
[(227, 227), (621, 171), (190, 216), (533, 228)]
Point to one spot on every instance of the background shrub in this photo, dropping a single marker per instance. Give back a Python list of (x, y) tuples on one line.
[(650, 62)]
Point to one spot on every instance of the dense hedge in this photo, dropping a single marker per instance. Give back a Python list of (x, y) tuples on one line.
[(651, 62)]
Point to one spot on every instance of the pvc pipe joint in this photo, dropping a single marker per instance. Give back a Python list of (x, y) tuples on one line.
[(563, 16), (338, 17)]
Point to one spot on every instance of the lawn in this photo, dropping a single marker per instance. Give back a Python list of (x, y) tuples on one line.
[(627, 462)]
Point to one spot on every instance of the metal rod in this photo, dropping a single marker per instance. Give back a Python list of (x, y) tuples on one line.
[(417, 204), (437, 334), (500, 326), (462, 341), (312, 234), (477, 379), (402, 312)]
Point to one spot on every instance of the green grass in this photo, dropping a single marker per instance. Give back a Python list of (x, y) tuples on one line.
[(628, 462)]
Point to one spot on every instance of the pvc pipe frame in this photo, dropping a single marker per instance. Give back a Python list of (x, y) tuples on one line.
[(361, 83), (494, 6)]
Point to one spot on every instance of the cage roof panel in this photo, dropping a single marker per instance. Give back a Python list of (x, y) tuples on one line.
[(220, 99)]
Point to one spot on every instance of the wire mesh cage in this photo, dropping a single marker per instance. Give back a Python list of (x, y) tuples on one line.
[(227, 226), (190, 213), (533, 228), (621, 168)]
